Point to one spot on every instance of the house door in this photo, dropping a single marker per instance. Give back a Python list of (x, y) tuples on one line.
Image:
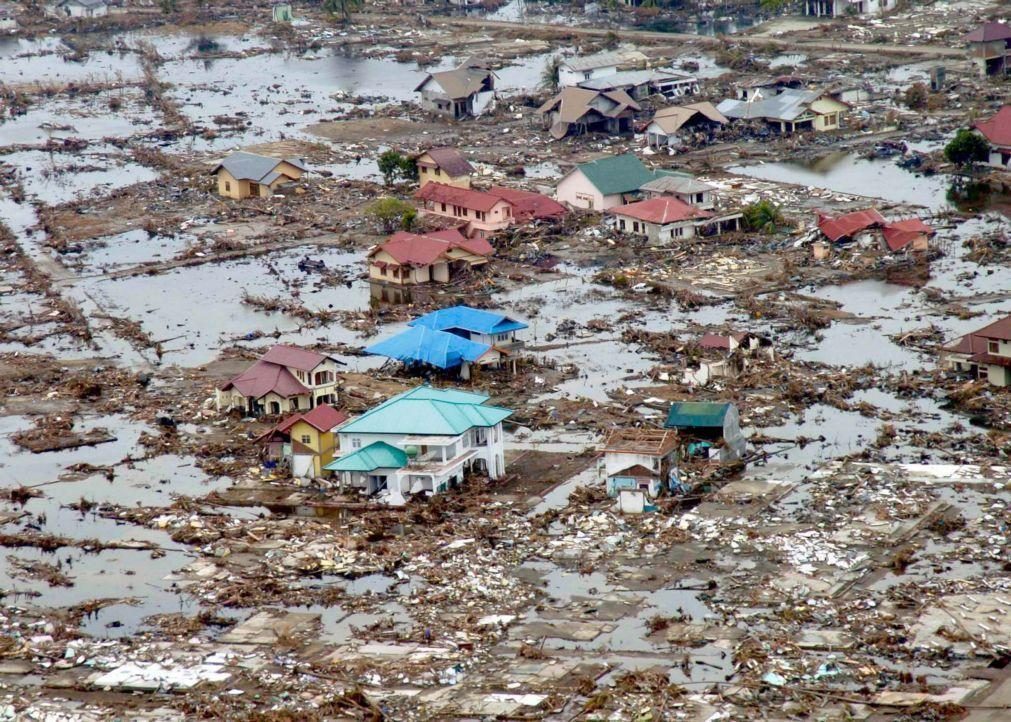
[(254, 189), (275, 408)]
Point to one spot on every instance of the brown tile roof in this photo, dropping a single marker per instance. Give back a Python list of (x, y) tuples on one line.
[(988, 32), (527, 205), (263, 378), (324, 418), (660, 210), (412, 249), (451, 161), (846, 225), (899, 234), (997, 129), (294, 357), (463, 197)]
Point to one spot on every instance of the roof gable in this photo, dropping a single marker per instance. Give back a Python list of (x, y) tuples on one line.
[(660, 210), (450, 160), (463, 197), (419, 344), (378, 455), (256, 168), (997, 129), (294, 357), (527, 204), (263, 378)]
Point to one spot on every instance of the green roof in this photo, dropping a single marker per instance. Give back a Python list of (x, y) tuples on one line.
[(617, 174), (428, 411), (695, 414), (379, 455)]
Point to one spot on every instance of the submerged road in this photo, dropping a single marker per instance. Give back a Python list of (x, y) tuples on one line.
[(920, 51)]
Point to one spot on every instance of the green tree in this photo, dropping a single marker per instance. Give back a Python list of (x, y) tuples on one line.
[(342, 8), (967, 148), (390, 166), (762, 216), (392, 213), (773, 6), (408, 169), (169, 6), (551, 75)]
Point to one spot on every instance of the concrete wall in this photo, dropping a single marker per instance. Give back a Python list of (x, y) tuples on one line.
[(577, 191), (428, 172), (615, 461), (566, 76)]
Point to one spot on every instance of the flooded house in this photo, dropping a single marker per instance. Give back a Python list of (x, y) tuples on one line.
[(984, 354), (529, 206), (997, 131), (284, 379), (305, 442), (990, 48), (575, 70), (444, 165), (80, 8), (475, 324), (464, 92), (437, 257), (638, 465), (869, 228), (846, 8), (708, 430), (725, 355), (660, 220), (576, 111), (679, 124), (244, 175), (604, 183), (789, 111), (421, 442), (479, 214), (641, 84)]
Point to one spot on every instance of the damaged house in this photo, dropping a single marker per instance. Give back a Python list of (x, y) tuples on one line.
[(990, 48), (997, 131), (421, 442), (572, 71), (575, 111), (868, 228), (710, 430), (464, 92), (659, 220), (80, 8), (845, 8), (789, 111), (454, 338), (677, 125), (305, 442), (444, 165), (985, 353), (244, 175), (437, 257), (284, 379), (638, 465), (641, 84)]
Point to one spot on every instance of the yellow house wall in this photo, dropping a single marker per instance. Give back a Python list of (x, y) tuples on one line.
[(231, 188), (428, 172), (323, 443)]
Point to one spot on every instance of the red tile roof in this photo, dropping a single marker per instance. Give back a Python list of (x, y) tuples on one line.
[(997, 129), (294, 357), (998, 330), (412, 249), (661, 210), (845, 226), (976, 342), (463, 197), (323, 418), (988, 32), (451, 161), (527, 205), (990, 360), (899, 234), (264, 377)]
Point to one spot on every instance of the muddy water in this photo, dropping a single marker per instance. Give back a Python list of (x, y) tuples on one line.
[(127, 574), (55, 178)]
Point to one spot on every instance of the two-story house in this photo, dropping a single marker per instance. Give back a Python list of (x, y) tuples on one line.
[(479, 214), (306, 442), (985, 353), (474, 324), (284, 379), (444, 165), (422, 441), (639, 464)]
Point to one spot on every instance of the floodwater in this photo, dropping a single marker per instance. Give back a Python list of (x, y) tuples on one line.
[(135, 575), (56, 178)]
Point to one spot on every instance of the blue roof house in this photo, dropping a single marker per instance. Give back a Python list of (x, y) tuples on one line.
[(485, 327), (454, 337), (422, 441)]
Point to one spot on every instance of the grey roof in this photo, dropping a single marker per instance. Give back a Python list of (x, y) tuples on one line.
[(256, 168), (627, 78), (85, 3), (788, 105), (603, 60), (677, 184)]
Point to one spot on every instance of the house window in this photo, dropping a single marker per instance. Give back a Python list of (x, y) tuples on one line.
[(356, 443), (294, 403), (443, 207), (505, 212), (323, 377), (992, 347), (438, 171), (635, 226), (228, 185), (621, 223), (305, 439), (699, 197), (678, 232), (587, 74)]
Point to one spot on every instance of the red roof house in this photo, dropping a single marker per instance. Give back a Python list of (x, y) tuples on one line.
[(986, 352), (899, 234), (997, 129), (895, 234), (483, 213), (411, 258), (528, 205), (660, 210), (286, 378), (989, 32)]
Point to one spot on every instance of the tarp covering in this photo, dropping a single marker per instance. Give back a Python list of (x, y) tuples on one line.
[(419, 344)]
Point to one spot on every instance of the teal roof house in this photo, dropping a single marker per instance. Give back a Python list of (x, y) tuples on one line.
[(423, 441)]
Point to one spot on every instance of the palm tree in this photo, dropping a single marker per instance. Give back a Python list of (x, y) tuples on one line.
[(550, 76)]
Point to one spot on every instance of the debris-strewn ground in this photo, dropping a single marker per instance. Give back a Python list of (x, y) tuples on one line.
[(855, 568)]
